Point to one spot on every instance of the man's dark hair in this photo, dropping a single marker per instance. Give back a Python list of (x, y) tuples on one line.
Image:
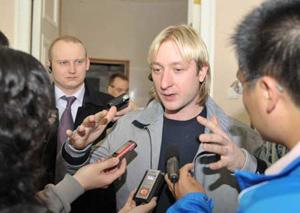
[(26, 99), (267, 42), (117, 75), (3, 40)]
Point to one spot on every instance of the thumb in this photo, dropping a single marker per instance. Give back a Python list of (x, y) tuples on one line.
[(149, 206), (187, 168), (109, 163)]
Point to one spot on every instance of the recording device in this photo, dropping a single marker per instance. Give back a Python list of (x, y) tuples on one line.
[(124, 149), (172, 163), (149, 187), (120, 102)]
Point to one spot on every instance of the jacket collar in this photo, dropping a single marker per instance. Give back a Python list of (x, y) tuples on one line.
[(248, 179)]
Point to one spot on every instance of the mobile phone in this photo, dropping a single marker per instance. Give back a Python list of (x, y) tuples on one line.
[(149, 187), (125, 149), (120, 102)]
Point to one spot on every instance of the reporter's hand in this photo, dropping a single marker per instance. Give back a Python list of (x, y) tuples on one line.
[(100, 174), (185, 184), (231, 156), (91, 128), (130, 205)]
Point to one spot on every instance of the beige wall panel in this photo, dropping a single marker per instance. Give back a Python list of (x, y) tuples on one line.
[(7, 21), (228, 14)]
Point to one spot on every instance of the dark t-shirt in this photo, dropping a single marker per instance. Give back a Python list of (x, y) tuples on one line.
[(184, 135)]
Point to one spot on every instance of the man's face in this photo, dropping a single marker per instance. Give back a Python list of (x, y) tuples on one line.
[(118, 87), (69, 66), (176, 82), (252, 99)]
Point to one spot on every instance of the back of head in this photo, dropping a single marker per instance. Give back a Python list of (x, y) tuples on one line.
[(267, 43), (25, 97), (190, 46), (3, 40)]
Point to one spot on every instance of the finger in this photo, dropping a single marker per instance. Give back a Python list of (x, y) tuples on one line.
[(81, 131), (69, 133), (116, 118), (109, 163), (185, 170), (111, 114), (169, 183), (215, 148), (130, 200), (217, 165), (214, 120), (123, 111), (211, 126), (89, 121), (100, 117), (213, 138), (122, 167), (149, 206)]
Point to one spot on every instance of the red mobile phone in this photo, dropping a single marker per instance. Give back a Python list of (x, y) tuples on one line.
[(124, 149)]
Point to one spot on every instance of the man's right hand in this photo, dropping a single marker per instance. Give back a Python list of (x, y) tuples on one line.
[(91, 128)]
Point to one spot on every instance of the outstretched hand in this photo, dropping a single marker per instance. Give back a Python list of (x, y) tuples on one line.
[(231, 156), (91, 128)]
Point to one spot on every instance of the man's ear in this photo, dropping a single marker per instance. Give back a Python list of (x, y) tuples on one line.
[(270, 91), (202, 73), (49, 66), (87, 64)]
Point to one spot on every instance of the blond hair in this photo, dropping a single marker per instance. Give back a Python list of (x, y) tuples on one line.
[(190, 46)]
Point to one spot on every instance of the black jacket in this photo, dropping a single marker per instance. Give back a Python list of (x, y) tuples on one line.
[(98, 200)]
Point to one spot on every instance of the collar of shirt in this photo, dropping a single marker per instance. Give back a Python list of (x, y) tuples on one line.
[(61, 104)]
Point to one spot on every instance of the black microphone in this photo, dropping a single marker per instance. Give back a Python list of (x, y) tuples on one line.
[(172, 163)]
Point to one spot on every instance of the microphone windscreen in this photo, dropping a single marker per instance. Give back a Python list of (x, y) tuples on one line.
[(171, 151)]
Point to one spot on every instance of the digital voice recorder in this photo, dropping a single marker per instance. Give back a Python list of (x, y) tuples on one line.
[(149, 187)]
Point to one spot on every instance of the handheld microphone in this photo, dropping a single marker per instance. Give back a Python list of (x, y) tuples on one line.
[(172, 163)]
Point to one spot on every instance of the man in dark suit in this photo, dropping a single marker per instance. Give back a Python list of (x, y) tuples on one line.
[(68, 64)]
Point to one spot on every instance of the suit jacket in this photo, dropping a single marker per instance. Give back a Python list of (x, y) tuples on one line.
[(98, 200)]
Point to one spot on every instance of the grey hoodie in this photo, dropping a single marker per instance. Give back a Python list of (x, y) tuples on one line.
[(145, 128)]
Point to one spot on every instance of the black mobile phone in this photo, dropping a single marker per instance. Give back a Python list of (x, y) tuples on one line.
[(124, 149), (149, 187), (120, 102)]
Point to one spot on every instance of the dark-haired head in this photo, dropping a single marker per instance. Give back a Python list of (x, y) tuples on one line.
[(267, 43), (26, 98), (3, 40)]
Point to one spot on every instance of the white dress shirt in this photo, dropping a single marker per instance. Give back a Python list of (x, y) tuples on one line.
[(61, 103)]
